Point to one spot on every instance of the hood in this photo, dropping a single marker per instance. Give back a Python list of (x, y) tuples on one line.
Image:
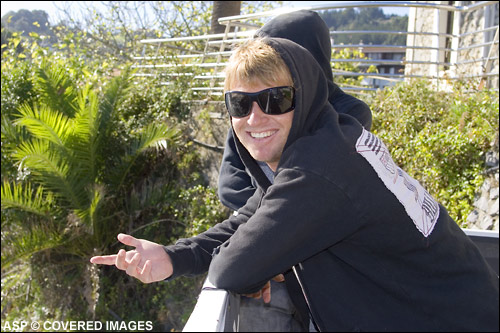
[(307, 29), (311, 99)]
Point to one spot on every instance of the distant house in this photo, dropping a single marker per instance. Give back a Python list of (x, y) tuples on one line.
[(389, 63)]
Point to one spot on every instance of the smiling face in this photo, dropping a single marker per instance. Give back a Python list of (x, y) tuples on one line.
[(263, 135), (253, 67)]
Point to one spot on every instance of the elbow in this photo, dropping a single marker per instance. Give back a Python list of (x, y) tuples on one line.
[(234, 279), (223, 278)]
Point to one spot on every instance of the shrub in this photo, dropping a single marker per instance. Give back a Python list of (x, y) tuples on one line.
[(104, 159), (440, 138)]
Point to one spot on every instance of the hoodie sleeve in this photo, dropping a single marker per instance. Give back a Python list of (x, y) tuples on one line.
[(235, 185), (301, 215), (192, 256)]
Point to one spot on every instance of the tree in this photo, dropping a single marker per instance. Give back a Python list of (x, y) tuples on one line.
[(223, 9), (371, 15), (367, 19), (114, 28), (26, 21)]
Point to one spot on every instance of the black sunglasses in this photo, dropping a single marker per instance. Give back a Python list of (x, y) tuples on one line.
[(273, 101)]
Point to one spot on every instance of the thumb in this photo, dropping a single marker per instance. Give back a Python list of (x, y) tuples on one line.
[(128, 240), (279, 278)]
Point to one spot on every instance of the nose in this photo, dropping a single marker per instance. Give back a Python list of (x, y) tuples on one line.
[(256, 114)]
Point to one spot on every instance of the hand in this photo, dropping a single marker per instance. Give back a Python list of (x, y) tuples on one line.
[(148, 262), (265, 292)]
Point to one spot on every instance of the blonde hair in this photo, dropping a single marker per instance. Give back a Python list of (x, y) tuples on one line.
[(255, 61)]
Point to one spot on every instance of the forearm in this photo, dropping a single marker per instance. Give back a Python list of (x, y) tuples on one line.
[(193, 256)]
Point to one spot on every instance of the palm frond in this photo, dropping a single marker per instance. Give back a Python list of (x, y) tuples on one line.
[(52, 169), (23, 197), (89, 215), (85, 143), (60, 152), (45, 124), (114, 92), (55, 88), (153, 136), (12, 133), (21, 245), (97, 198)]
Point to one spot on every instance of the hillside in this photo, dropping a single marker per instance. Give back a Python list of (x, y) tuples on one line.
[(370, 19)]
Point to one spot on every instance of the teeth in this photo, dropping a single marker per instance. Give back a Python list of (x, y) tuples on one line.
[(261, 134)]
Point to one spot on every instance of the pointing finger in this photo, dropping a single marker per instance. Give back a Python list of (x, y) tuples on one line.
[(104, 260)]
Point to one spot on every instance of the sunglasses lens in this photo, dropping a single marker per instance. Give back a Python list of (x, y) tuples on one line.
[(238, 104), (280, 100), (264, 98), (273, 101)]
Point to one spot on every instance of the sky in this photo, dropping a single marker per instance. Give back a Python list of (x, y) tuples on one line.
[(51, 8)]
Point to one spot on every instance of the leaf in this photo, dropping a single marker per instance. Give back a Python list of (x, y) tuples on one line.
[(44, 123), (38, 238), (22, 197), (52, 168), (55, 88), (153, 136)]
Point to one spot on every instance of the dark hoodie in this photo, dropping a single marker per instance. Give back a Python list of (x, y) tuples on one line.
[(371, 249), (307, 29)]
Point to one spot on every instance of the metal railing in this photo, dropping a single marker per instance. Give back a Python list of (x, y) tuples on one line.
[(444, 53), (212, 311)]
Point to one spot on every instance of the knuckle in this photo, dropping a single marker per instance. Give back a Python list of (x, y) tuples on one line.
[(120, 265)]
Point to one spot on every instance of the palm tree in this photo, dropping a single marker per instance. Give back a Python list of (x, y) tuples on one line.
[(67, 170)]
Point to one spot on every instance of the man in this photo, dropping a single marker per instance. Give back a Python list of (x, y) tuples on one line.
[(235, 185), (307, 29), (369, 247)]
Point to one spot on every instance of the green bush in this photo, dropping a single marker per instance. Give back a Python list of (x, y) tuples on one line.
[(90, 168), (349, 67), (440, 138)]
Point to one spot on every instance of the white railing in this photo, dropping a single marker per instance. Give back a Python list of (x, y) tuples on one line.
[(487, 242), (212, 312), (441, 54)]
